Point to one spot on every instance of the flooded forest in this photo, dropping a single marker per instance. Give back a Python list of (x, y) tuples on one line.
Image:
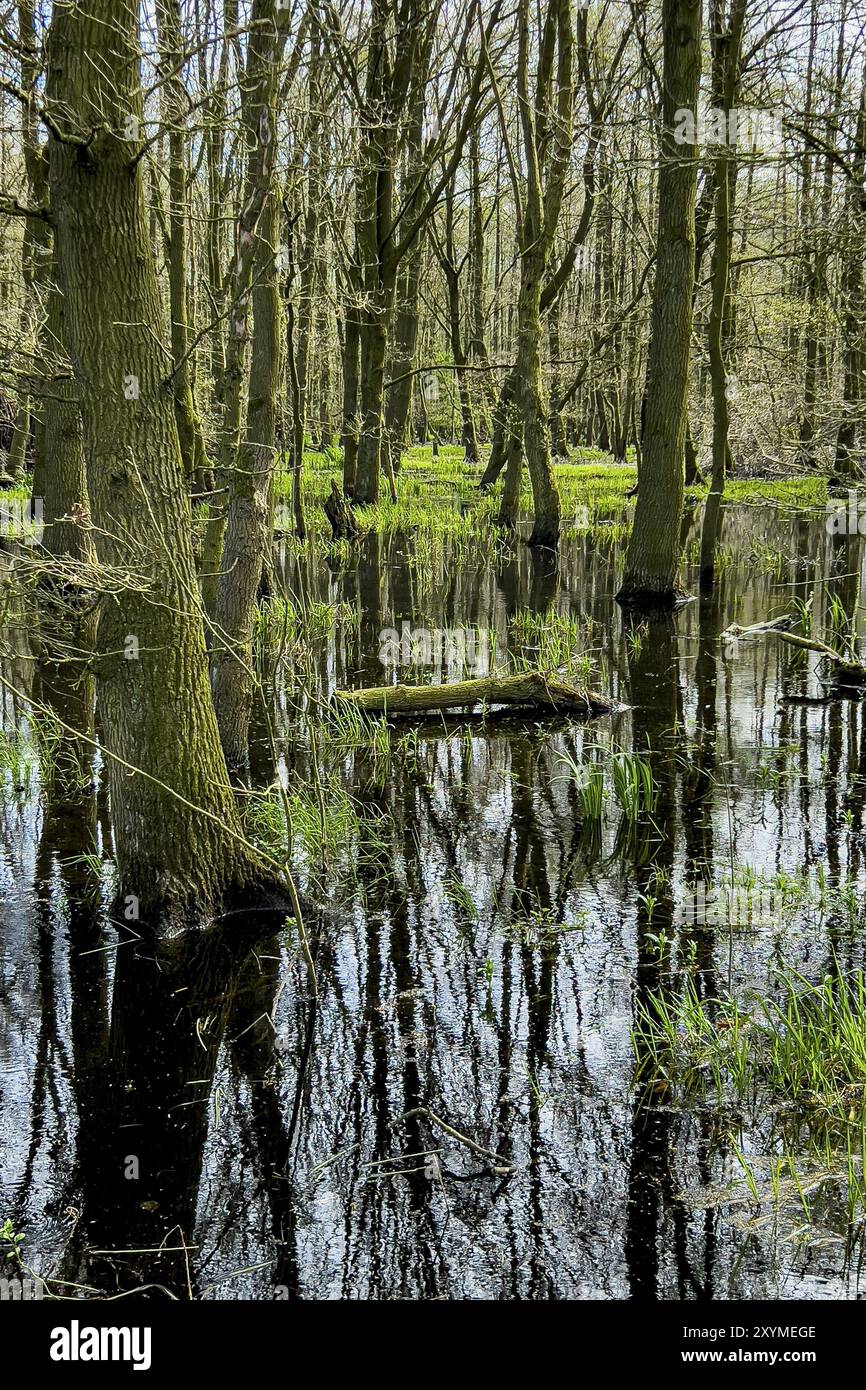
[(432, 747)]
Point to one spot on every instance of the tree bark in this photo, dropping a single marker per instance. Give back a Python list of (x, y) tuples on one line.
[(854, 308), (248, 525), (248, 517), (546, 127), (351, 372), (652, 563), (176, 827), (727, 44), (267, 39), (174, 117)]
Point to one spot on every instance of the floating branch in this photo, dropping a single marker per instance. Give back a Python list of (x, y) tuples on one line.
[(846, 671)]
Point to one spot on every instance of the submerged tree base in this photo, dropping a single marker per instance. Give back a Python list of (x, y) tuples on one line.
[(344, 524), (648, 600), (171, 908), (544, 537)]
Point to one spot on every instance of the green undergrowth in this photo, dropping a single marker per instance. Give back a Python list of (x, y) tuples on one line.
[(440, 495), (785, 1072), (800, 493)]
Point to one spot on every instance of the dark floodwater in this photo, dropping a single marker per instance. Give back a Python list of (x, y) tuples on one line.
[(445, 981)]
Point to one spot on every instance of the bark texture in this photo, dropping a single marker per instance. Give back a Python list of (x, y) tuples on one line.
[(248, 515), (175, 823), (652, 564)]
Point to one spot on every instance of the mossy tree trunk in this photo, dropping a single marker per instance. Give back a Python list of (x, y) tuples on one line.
[(59, 477), (248, 513), (527, 688), (854, 308), (652, 563), (174, 100), (546, 126), (176, 828), (509, 503), (269, 22), (35, 242), (500, 438), (727, 44)]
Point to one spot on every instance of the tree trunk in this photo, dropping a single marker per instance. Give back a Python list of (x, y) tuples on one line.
[(377, 264), (36, 239), (854, 308), (269, 20), (727, 42), (510, 500), (501, 426), (538, 222), (486, 393), (546, 505), (176, 827), (248, 526), (452, 268), (652, 564), (374, 342), (248, 521), (413, 191), (62, 480), (351, 365), (174, 117)]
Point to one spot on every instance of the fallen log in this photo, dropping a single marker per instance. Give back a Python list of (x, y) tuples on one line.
[(845, 671), (529, 689)]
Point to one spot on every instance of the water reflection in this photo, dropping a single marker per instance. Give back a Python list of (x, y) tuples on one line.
[(182, 1116)]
